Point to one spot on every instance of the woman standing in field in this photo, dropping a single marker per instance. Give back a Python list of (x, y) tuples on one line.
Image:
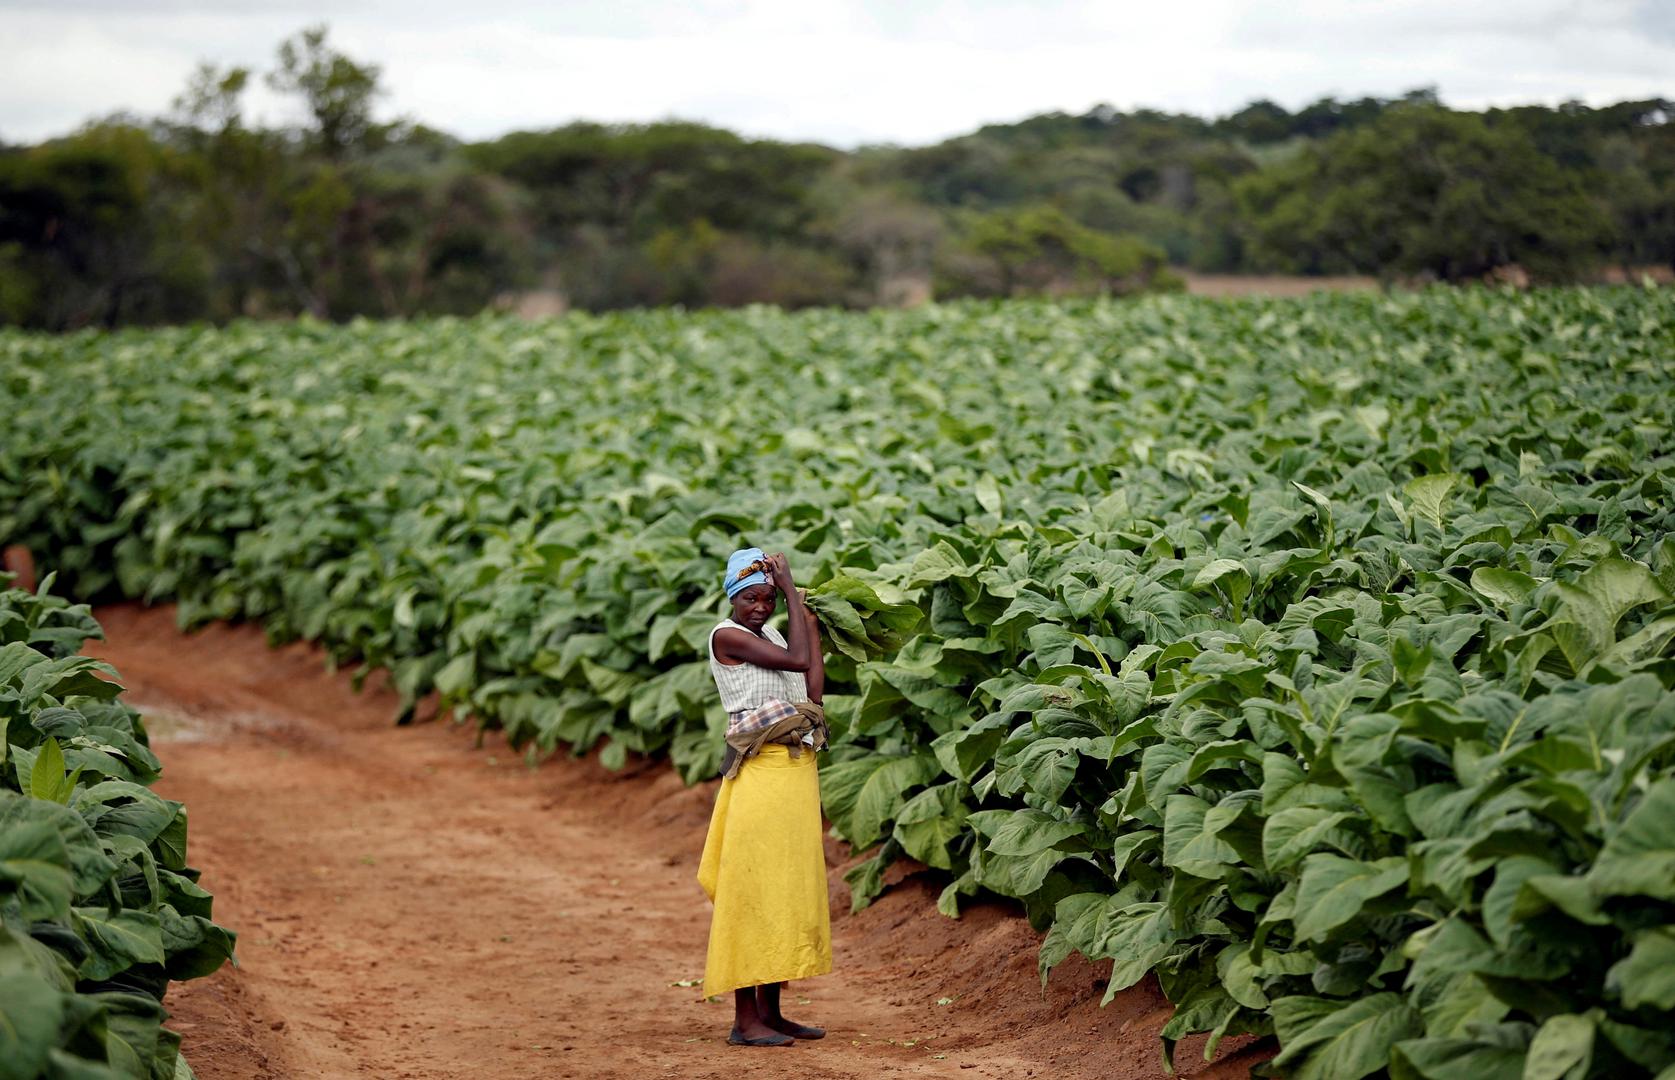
[(764, 866)]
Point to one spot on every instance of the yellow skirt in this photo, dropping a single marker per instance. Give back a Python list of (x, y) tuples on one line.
[(765, 870)]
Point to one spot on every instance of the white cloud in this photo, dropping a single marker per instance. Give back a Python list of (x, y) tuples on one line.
[(840, 71)]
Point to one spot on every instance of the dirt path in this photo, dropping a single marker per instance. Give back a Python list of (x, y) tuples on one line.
[(409, 905)]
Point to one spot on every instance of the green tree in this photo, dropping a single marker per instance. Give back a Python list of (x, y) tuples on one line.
[(1641, 177), (1423, 191), (439, 235), (337, 92), (1039, 250), (213, 101), (643, 178), (1260, 122), (1624, 154), (890, 241), (636, 214), (235, 207), (88, 236)]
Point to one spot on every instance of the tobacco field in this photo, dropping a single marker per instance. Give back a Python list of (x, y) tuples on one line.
[(1312, 656), (98, 909)]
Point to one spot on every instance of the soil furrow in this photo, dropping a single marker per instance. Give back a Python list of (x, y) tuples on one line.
[(410, 904)]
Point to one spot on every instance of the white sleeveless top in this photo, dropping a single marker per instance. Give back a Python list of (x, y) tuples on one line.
[(749, 686)]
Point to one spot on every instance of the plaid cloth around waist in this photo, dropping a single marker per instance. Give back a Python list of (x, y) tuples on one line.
[(766, 715)]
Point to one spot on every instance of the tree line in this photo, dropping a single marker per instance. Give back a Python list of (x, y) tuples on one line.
[(200, 215)]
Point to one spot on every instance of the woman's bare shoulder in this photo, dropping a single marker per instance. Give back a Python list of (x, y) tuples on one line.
[(726, 631)]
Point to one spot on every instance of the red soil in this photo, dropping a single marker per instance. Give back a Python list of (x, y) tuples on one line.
[(15, 559), (410, 905)]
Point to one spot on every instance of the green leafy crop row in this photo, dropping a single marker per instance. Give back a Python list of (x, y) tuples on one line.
[(98, 909), (1312, 656)]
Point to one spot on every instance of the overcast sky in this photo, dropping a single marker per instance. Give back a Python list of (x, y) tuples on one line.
[(843, 72)]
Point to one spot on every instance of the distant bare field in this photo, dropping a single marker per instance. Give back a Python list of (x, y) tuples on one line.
[(910, 292), (1299, 285), (1634, 275), (1272, 284)]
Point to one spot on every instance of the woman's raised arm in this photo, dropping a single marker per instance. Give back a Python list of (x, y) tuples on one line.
[(735, 646)]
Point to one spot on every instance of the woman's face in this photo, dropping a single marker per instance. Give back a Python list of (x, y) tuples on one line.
[(753, 607)]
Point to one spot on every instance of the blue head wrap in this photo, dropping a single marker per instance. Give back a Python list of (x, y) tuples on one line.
[(736, 562)]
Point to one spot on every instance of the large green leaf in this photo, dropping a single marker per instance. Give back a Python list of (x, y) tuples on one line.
[(1193, 840), (1333, 890), (118, 807), (30, 1013), (1430, 496), (1019, 876), (118, 940), (35, 866), (1591, 606), (1025, 832), (1290, 834), (1456, 1059), (1503, 586), (1326, 1039), (861, 795), (46, 778), (1645, 978), (1046, 767), (1563, 1048), (1639, 857), (1138, 937), (193, 946)]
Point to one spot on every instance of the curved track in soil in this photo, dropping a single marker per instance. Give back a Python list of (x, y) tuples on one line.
[(411, 905)]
